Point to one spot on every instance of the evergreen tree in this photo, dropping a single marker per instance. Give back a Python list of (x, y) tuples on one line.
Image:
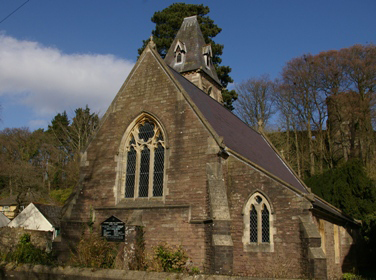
[(348, 188), (58, 128), (168, 22), (70, 137)]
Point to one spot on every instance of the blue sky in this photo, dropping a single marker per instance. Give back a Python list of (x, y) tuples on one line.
[(63, 54)]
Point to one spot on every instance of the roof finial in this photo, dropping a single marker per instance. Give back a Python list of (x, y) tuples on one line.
[(151, 42)]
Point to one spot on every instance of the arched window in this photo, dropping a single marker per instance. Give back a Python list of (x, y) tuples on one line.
[(144, 158), (258, 223), (180, 50), (179, 57)]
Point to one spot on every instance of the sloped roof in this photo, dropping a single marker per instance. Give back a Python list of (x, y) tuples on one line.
[(51, 212), (8, 201), (3, 220), (238, 136), (12, 200), (190, 34), (247, 142)]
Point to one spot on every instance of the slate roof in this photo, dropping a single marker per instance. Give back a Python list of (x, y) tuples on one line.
[(247, 142), (51, 212), (238, 136), (190, 34)]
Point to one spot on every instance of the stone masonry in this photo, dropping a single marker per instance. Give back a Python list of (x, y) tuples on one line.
[(209, 180)]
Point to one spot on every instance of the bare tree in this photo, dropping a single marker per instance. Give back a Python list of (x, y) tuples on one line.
[(332, 97), (299, 78), (19, 169), (255, 101)]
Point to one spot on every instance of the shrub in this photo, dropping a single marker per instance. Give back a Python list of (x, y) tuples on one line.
[(195, 270), (94, 251), (170, 259), (351, 276), (26, 252)]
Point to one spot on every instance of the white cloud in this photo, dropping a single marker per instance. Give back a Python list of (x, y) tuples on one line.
[(49, 81)]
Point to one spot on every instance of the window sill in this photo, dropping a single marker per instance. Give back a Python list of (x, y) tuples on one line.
[(258, 247), (144, 204), (141, 201)]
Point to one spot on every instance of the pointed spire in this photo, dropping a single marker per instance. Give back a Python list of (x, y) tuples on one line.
[(189, 53)]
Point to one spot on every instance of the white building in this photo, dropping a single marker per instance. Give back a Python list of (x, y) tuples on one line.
[(3, 220), (39, 217)]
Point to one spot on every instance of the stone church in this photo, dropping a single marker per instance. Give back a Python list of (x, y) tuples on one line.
[(169, 157)]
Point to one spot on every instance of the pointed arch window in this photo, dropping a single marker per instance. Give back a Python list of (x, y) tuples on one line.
[(145, 160), (253, 225), (258, 220), (179, 58), (180, 51)]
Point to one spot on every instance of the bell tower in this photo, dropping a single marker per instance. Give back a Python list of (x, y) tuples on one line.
[(192, 57)]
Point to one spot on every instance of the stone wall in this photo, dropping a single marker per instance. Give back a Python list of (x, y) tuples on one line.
[(286, 258), (205, 83), (180, 217), (9, 238), (338, 244), (39, 272)]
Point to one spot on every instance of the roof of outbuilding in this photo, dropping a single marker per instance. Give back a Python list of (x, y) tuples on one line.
[(3, 220), (190, 34), (12, 200), (8, 201), (51, 212)]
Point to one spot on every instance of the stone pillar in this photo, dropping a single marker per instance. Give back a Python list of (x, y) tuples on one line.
[(312, 251), (222, 245)]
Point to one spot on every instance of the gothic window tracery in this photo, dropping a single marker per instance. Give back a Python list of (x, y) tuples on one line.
[(145, 157)]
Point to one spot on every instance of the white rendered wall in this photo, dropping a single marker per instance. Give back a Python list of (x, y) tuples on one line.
[(31, 218)]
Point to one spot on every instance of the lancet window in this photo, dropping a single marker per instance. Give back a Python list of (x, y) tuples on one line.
[(180, 51)]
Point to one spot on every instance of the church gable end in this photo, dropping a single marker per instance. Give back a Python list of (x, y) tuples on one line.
[(146, 164), (125, 157)]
